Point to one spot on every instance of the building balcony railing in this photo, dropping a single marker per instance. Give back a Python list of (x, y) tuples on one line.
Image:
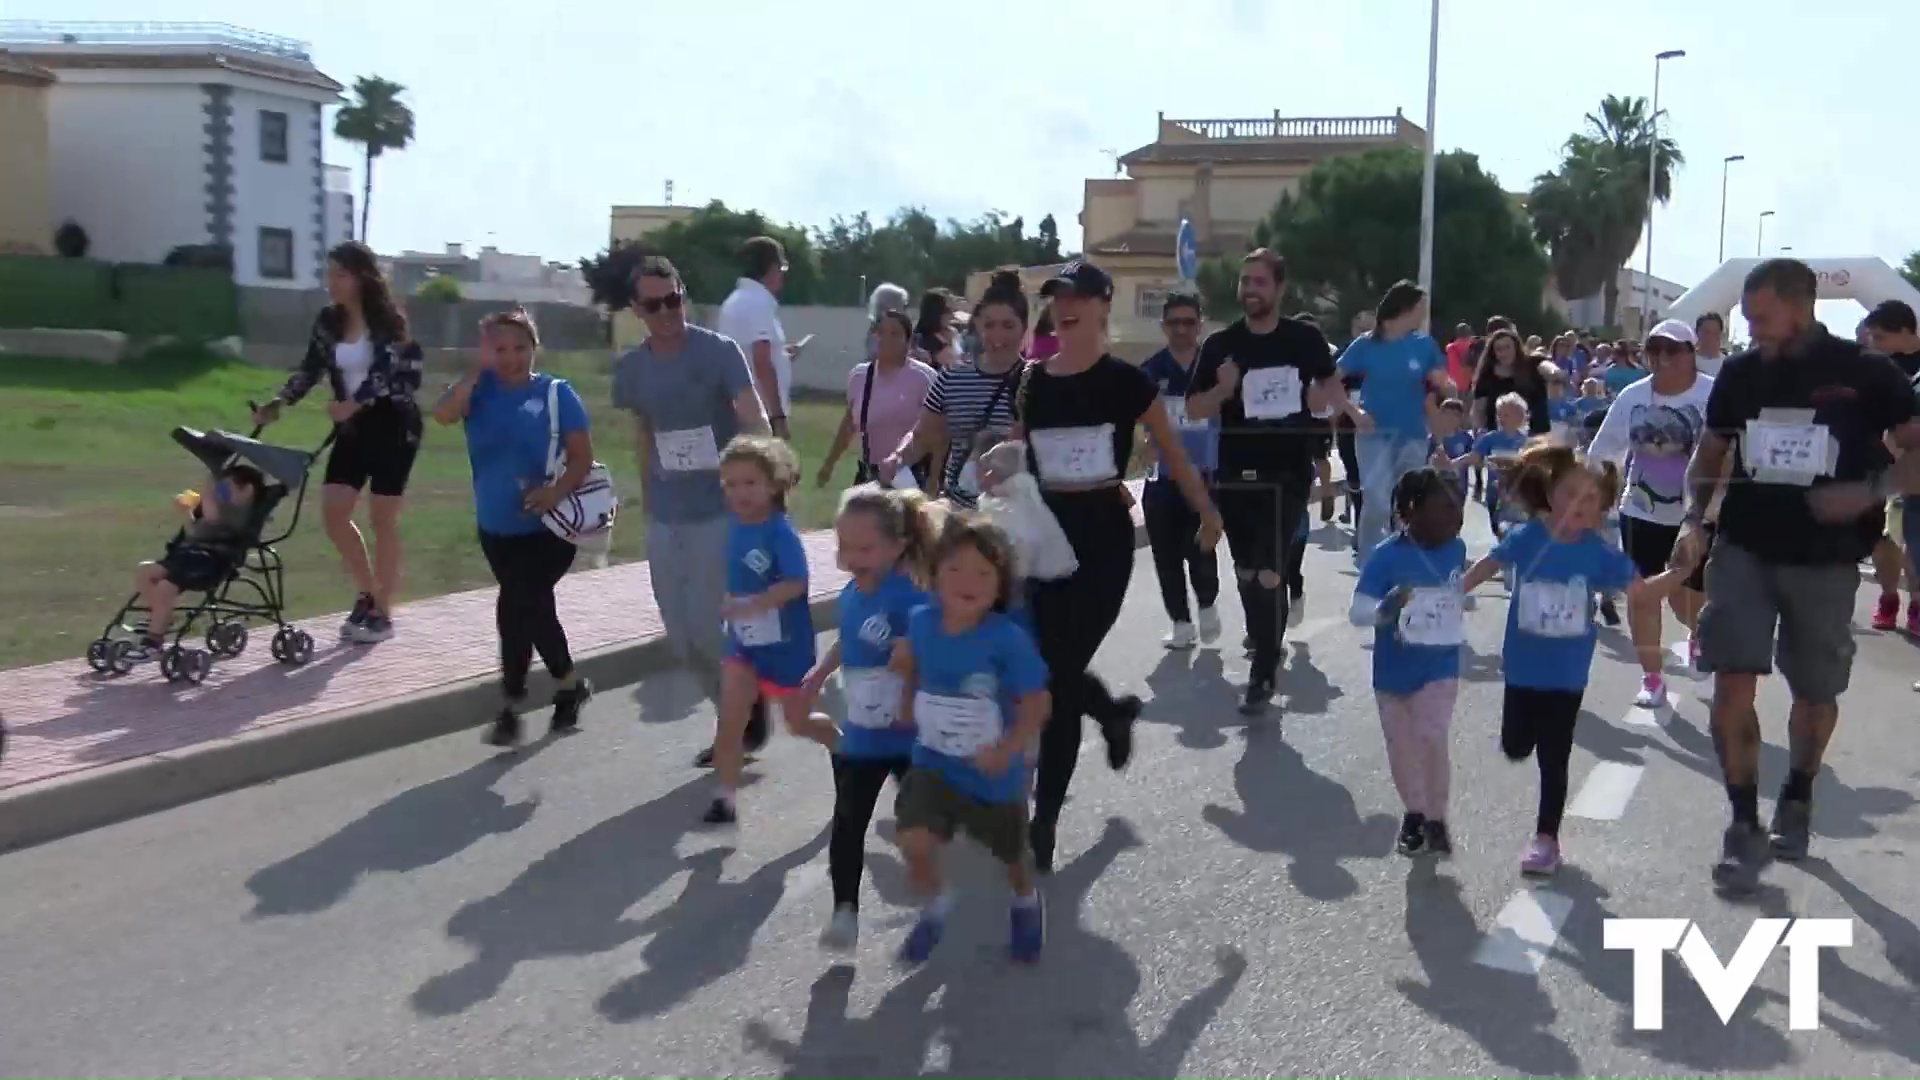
[(1319, 129), (30, 33)]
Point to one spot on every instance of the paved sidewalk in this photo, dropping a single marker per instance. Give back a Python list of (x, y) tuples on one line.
[(64, 720)]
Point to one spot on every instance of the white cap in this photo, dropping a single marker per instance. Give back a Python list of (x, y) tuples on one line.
[(1673, 330)]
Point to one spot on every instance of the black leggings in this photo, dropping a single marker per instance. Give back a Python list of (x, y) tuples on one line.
[(1350, 468), (527, 567), (1540, 722), (1263, 521), (856, 791), (1071, 617), (1172, 526)]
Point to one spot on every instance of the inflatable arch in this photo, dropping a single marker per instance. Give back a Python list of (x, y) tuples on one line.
[(1867, 280)]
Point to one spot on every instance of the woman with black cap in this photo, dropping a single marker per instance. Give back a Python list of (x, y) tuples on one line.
[(1078, 411)]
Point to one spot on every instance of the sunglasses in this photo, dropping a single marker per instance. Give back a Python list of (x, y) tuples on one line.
[(669, 302), (1666, 348), (1182, 322)]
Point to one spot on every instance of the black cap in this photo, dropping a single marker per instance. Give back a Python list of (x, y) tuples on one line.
[(1079, 278)]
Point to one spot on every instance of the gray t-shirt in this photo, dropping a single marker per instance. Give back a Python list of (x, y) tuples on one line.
[(687, 399)]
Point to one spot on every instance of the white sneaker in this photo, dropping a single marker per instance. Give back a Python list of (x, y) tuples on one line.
[(843, 930), (1181, 637), (1296, 611), (1209, 626)]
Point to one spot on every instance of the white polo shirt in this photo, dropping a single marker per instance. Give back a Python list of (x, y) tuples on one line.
[(752, 314)]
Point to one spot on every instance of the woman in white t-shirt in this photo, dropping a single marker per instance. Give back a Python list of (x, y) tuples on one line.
[(1653, 426)]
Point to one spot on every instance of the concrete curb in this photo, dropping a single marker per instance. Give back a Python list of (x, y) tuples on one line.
[(65, 805)]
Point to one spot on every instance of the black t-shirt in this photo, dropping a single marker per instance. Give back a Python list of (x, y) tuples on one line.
[(1909, 363), (1072, 421), (1276, 369), (1539, 410), (1833, 386)]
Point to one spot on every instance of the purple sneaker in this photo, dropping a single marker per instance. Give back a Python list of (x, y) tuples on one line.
[(1542, 857)]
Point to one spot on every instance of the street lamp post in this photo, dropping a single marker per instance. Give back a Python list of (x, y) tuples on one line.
[(1760, 235), (1653, 170), (1426, 176), (1725, 164)]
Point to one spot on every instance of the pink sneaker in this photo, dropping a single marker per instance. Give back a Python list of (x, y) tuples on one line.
[(1886, 613), (1542, 857), (1653, 692), (1693, 654)]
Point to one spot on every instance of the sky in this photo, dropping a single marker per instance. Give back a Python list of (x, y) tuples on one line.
[(532, 119)]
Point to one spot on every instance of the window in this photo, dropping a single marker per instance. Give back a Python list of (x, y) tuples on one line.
[(1149, 303), (276, 254), (273, 136)]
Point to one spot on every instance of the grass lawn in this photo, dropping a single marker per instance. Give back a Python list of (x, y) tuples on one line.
[(88, 472)]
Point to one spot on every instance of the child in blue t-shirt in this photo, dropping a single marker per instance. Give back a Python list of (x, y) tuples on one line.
[(1409, 592), (1451, 442), (1499, 448), (769, 647), (886, 538), (977, 691), (1558, 560)]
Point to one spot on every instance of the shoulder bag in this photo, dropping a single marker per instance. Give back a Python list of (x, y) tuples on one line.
[(583, 516)]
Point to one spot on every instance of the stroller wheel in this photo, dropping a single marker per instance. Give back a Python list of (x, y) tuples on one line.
[(119, 658), (194, 666), (227, 639), (171, 662), (100, 655), (291, 646)]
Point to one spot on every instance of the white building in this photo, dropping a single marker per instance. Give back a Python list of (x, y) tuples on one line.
[(164, 134), (492, 275), (340, 220), (1592, 310)]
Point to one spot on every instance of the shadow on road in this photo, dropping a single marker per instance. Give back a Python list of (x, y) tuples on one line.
[(1291, 810)]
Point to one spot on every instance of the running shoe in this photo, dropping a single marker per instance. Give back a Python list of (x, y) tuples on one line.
[(1609, 613), (1119, 731), (1886, 612), (843, 930), (373, 629), (1180, 637), (1542, 857), (505, 729), (1296, 609), (1027, 930), (362, 604), (1210, 625), (1259, 695), (756, 737), (1439, 841), (720, 812), (1743, 854), (145, 650), (1413, 835), (1791, 832), (566, 708), (922, 939), (1653, 692)]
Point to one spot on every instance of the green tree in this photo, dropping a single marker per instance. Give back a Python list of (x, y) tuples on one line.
[(440, 289), (1910, 269), (916, 251), (379, 121), (1589, 211), (705, 248), (1353, 229)]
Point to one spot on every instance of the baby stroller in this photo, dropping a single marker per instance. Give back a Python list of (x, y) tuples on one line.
[(253, 589)]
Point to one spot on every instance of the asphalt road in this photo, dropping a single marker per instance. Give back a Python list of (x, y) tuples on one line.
[(1230, 907)]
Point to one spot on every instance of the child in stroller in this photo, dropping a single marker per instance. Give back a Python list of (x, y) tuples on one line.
[(201, 557)]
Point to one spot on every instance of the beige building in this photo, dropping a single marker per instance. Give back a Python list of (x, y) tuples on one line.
[(26, 218), (630, 223)]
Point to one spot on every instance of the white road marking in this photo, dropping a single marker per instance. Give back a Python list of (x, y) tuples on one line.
[(1607, 791), (1654, 717), (1524, 932)]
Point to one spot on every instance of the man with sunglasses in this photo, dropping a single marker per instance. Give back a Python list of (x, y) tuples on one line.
[(690, 393), (1171, 523)]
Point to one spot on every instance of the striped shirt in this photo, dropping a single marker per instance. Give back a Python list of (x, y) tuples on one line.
[(971, 401)]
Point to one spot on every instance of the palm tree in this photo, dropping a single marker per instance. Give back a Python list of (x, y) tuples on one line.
[(379, 121), (1590, 211)]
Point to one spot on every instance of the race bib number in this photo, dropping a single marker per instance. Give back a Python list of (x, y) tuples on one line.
[(1270, 393), (757, 630), (873, 697), (956, 726), (1554, 609), (692, 450), (1431, 616), (1800, 450), (1077, 455), (1177, 412)]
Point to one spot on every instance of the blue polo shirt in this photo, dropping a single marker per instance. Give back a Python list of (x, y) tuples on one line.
[(1550, 633), (1395, 373), (1201, 438)]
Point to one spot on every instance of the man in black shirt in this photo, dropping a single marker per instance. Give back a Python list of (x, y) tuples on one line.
[(1265, 377), (1889, 329), (1804, 416)]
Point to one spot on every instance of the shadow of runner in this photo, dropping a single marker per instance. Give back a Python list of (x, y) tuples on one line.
[(1305, 688), (1891, 1010), (892, 1041), (1291, 810), (705, 934), (416, 828), (1506, 1014), (572, 902), (1180, 682)]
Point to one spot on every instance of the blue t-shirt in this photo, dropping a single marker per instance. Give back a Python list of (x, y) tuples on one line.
[(1455, 445), (1395, 373), (1498, 443), (1202, 437), (1550, 634), (869, 625), (1405, 657), (778, 644), (971, 676), (507, 443), (1621, 376)]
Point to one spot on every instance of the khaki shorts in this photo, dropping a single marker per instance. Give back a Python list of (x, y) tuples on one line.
[(1759, 615), (927, 801)]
